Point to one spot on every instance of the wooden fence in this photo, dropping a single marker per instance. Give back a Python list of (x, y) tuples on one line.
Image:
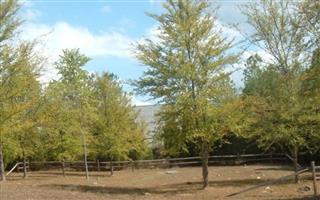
[(157, 163), (315, 172), (315, 176), (176, 162)]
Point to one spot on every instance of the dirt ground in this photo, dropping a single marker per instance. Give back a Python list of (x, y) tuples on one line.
[(156, 184)]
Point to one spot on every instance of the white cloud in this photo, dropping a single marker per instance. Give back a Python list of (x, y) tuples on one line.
[(62, 35), (266, 57), (137, 102), (228, 32), (151, 34)]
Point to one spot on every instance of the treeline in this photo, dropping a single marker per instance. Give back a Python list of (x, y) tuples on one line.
[(79, 116), (83, 115), (190, 67)]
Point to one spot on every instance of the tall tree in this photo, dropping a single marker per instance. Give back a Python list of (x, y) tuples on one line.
[(277, 31), (61, 140), (310, 101), (9, 23), (116, 131), (187, 73), (19, 92), (76, 94), (26, 123)]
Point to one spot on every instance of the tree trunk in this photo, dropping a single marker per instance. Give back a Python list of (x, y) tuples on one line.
[(205, 157), (84, 143), (295, 162), (63, 168), (25, 174), (98, 165), (2, 172), (85, 156), (111, 168)]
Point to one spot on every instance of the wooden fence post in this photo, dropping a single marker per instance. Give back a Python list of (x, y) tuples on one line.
[(98, 165), (18, 168), (168, 163), (25, 163), (132, 166), (63, 168), (313, 168), (296, 165), (111, 168)]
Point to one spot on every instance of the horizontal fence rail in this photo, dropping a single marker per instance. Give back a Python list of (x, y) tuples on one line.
[(314, 173), (156, 163)]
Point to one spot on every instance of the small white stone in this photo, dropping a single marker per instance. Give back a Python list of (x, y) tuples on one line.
[(171, 172)]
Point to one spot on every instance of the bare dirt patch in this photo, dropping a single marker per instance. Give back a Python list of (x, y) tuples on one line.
[(156, 184)]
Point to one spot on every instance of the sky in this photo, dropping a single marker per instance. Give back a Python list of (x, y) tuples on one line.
[(105, 30)]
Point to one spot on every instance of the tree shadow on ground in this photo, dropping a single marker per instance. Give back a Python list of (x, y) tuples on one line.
[(121, 190), (286, 168), (303, 198), (169, 189), (55, 173)]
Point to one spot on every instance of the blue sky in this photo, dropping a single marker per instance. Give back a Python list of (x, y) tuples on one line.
[(105, 31)]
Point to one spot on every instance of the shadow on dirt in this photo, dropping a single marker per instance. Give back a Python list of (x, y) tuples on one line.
[(186, 187), (286, 168), (303, 198), (119, 190)]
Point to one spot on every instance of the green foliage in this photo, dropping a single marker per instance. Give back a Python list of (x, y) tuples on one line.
[(272, 90), (69, 106), (277, 30), (260, 80), (20, 94), (9, 22), (90, 112), (187, 73), (116, 133), (310, 100), (310, 15), (273, 108), (60, 139)]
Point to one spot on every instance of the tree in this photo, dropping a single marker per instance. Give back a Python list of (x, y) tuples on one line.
[(265, 101), (309, 13), (310, 99), (26, 122), (76, 94), (278, 32), (19, 92), (187, 73), (9, 22), (117, 135), (273, 110), (60, 140)]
